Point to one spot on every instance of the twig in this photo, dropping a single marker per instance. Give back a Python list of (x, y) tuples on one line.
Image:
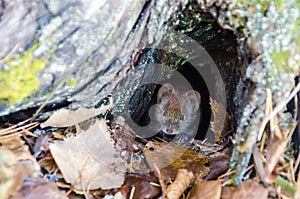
[(28, 127), (297, 163), (15, 126), (7, 57), (297, 194), (228, 173), (259, 165), (163, 187), (46, 101), (278, 108), (267, 112), (132, 193)]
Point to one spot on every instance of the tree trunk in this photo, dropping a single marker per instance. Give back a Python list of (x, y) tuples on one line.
[(81, 50), (75, 53)]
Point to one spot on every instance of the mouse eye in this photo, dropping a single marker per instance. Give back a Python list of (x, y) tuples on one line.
[(181, 118)]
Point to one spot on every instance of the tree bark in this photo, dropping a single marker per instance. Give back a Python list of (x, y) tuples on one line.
[(84, 48)]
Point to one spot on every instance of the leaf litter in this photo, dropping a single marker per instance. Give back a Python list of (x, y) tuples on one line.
[(88, 161), (86, 157)]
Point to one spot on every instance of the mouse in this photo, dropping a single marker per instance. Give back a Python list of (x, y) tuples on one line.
[(176, 112)]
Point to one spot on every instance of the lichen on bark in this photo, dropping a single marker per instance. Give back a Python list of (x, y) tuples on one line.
[(18, 77), (270, 29)]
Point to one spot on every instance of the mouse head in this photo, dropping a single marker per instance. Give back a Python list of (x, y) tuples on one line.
[(166, 90), (191, 98)]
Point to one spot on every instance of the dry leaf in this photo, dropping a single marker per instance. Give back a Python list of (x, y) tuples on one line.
[(48, 163), (14, 143), (66, 117), (125, 140), (41, 146), (16, 163), (145, 186), (89, 161), (182, 182), (276, 149), (220, 114), (218, 163), (169, 157), (36, 188), (129, 145), (13, 171), (206, 190), (248, 190), (9, 184), (227, 192)]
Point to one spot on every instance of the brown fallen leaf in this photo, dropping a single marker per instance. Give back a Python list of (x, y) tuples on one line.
[(219, 164), (89, 161), (169, 157), (140, 186), (13, 171), (36, 188), (278, 136), (276, 149), (15, 143), (41, 146), (220, 115), (48, 163), (16, 163), (248, 190), (125, 139), (9, 184), (66, 117), (181, 183), (227, 192), (128, 145), (206, 190)]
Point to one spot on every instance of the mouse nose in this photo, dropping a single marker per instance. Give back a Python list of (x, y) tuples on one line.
[(169, 131)]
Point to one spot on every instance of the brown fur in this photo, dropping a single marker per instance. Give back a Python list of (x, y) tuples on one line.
[(176, 110)]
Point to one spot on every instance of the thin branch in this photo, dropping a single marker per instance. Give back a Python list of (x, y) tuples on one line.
[(277, 109)]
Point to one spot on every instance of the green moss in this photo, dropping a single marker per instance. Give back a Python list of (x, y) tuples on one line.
[(71, 82), (263, 4), (281, 59), (89, 63), (19, 79), (189, 20), (273, 22)]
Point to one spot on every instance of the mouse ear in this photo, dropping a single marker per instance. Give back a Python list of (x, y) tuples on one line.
[(166, 90), (193, 98)]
